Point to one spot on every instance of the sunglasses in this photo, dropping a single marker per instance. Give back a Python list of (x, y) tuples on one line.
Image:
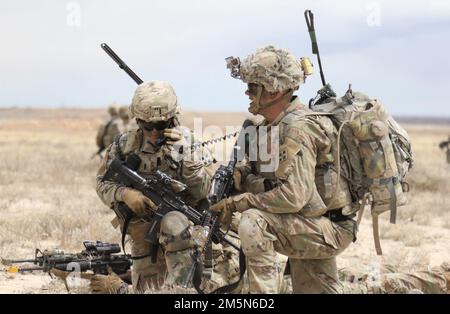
[(159, 126)]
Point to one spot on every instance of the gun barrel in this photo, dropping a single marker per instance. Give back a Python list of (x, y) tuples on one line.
[(18, 269), (8, 262), (121, 63)]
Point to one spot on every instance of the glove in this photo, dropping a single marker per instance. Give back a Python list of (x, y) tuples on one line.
[(61, 274), (137, 202), (225, 207), (237, 180), (175, 137), (108, 284)]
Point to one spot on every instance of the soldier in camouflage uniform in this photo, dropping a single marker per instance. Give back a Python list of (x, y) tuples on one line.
[(156, 110), (126, 124), (296, 208), (108, 130), (387, 279), (446, 145)]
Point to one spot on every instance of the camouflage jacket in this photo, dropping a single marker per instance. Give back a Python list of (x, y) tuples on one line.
[(303, 179), (194, 172), (108, 131)]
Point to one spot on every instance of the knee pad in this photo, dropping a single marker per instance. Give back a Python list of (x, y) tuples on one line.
[(175, 234), (255, 239)]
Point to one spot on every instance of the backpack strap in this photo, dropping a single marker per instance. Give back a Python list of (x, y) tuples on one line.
[(376, 234), (120, 153), (390, 184)]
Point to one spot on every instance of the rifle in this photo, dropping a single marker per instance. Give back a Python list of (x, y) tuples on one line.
[(221, 188), (97, 257), (163, 191), (222, 184)]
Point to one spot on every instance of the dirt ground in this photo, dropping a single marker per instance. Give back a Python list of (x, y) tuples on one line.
[(48, 199)]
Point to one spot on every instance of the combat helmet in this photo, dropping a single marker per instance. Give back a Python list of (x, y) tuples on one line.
[(112, 110), (273, 68), (155, 101), (124, 112)]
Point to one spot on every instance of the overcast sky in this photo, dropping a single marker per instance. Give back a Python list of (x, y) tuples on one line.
[(50, 53)]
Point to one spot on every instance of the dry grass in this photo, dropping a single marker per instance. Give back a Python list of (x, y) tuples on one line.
[(48, 199)]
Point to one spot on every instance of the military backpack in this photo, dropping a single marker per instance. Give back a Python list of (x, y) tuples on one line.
[(374, 154)]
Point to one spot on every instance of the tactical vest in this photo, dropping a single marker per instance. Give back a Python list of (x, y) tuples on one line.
[(327, 195), (132, 142)]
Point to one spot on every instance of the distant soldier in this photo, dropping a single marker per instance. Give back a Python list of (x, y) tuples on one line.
[(126, 124), (446, 145), (107, 130)]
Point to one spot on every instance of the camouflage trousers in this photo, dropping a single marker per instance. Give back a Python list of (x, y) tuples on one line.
[(174, 258), (386, 279), (225, 269), (145, 275), (174, 255), (310, 243)]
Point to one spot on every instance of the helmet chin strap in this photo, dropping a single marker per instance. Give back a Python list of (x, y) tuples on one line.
[(256, 106)]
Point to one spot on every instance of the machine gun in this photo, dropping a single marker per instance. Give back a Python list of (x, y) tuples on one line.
[(98, 257)]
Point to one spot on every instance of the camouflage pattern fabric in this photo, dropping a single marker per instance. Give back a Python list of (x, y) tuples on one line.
[(154, 101), (274, 68), (108, 131), (193, 173), (288, 218), (225, 268), (387, 280), (128, 125), (145, 275)]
